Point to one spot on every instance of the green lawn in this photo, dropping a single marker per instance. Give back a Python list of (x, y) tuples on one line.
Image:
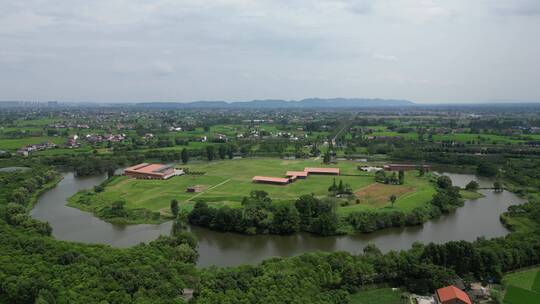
[(523, 279), (378, 296), (227, 182), (522, 286)]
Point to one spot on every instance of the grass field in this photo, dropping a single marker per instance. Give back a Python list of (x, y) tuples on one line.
[(378, 296), (14, 144), (522, 286), (227, 182)]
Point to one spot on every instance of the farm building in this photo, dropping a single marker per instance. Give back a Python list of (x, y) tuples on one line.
[(298, 174), (406, 167), (331, 171), (452, 295), (151, 171), (271, 180)]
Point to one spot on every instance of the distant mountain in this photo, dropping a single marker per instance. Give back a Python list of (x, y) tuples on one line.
[(285, 104)]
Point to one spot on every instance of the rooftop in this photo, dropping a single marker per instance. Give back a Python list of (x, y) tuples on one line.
[(270, 179), (297, 173), (322, 170), (148, 168), (450, 293)]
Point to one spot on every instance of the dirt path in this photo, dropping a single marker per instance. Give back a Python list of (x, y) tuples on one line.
[(203, 192)]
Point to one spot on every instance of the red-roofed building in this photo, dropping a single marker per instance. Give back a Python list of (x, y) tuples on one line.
[(271, 180), (298, 174), (150, 171), (452, 295), (332, 171)]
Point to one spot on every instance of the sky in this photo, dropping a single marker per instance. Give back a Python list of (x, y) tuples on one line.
[(184, 50)]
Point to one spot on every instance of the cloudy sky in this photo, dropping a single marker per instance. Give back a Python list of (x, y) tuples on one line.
[(182, 50)]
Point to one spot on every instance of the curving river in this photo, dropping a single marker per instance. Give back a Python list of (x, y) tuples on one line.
[(478, 218)]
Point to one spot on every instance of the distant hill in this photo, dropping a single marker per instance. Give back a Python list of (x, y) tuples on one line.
[(286, 104)]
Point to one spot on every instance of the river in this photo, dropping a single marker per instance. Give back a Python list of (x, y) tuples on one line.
[(478, 218)]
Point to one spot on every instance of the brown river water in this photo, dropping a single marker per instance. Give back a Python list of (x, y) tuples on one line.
[(478, 218)]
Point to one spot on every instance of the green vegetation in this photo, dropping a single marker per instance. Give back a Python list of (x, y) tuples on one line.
[(379, 296), (524, 279), (470, 195), (226, 183), (35, 268), (14, 144), (522, 286)]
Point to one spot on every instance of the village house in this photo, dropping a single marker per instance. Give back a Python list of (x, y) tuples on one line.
[(452, 295), (24, 151)]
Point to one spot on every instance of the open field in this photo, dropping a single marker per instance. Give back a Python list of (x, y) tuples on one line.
[(227, 182), (14, 144), (524, 279), (378, 296), (522, 286)]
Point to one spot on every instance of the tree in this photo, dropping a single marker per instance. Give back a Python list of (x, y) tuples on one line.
[(472, 186), (304, 204), (184, 155), (20, 195), (340, 188), (286, 219), (380, 176), (497, 185), (210, 153), (401, 177), (222, 151), (174, 207), (444, 182), (333, 188), (393, 198), (326, 157), (110, 172), (487, 169), (230, 152)]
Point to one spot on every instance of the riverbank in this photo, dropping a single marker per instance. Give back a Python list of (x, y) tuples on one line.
[(477, 218), (116, 201), (48, 186)]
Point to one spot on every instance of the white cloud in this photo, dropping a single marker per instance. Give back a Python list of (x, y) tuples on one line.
[(268, 48)]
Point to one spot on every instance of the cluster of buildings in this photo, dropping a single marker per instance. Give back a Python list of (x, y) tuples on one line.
[(396, 167), (72, 142), (152, 171), (68, 125), (292, 176), (454, 295), (97, 138), (24, 151), (406, 167)]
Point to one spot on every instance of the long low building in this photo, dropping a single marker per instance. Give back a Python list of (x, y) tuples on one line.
[(150, 171), (298, 174), (271, 180), (332, 171)]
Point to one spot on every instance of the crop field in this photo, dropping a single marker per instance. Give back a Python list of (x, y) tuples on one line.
[(14, 144), (227, 182), (522, 286)]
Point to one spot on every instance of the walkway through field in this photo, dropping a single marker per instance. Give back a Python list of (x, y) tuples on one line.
[(213, 187)]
